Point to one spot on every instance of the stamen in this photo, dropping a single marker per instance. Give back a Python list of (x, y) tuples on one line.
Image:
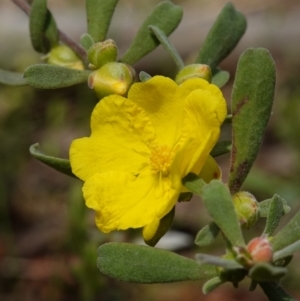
[(161, 158)]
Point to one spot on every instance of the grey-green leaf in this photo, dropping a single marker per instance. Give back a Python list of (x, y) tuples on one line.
[(166, 16), (227, 264), (252, 99), (287, 251), (164, 225), (275, 292), (288, 235), (264, 206), (211, 284), (224, 35), (172, 51), (220, 78), (207, 235), (274, 215), (61, 165), (52, 77), (86, 41), (99, 14), (193, 183), (219, 204), (144, 76), (141, 264), (265, 272), (43, 31), (12, 78), (221, 148)]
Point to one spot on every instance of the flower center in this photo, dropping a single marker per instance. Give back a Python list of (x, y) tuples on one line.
[(161, 158)]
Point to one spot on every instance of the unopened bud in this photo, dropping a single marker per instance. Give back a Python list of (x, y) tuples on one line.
[(64, 56), (246, 208), (102, 53), (260, 249), (112, 78), (193, 71)]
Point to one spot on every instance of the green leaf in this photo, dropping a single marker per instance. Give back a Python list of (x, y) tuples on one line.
[(211, 284), (275, 292), (163, 39), (144, 76), (219, 204), (61, 165), (52, 77), (288, 235), (221, 148), (223, 36), (207, 235), (193, 183), (43, 31), (252, 99), (86, 41), (287, 251), (164, 225), (99, 14), (265, 272), (166, 16), (227, 264), (221, 78), (264, 206), (12, 78), (274, 215), (141, 264)]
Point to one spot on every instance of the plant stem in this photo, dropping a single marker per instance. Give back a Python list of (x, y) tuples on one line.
[(25, 7), (275, 292)]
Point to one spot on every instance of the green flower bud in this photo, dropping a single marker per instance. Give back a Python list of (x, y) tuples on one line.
[(112, 78), (64, 56), (193, 71), (260, 249), (246, 208), (102, 53)]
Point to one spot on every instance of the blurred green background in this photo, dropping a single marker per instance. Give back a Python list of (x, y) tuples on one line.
[(48, 240)]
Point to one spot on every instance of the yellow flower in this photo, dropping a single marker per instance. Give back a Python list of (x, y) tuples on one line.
[(142, 146)]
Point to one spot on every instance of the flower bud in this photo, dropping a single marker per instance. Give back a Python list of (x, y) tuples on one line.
[(112, 78), (64, 56), (246, 208), (260, 249), (102, 53), (193, 71)]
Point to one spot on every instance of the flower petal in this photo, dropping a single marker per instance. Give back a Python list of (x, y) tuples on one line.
[(159, 97), (121, 132), (124, 201), (210, 170)]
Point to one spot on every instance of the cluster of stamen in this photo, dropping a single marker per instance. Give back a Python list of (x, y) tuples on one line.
[(161, 158)]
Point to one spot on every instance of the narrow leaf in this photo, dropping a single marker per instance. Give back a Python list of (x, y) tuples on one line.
[(164, 225), (43, 30), (288, 235), (275, 292), (287, 251), (86, 41), (265, 272), (211, 284), (221, 148), (207, 235), (163, 39), (218, 202), (61, 165), (144, 76), (99, 14), (165, 16), (141, 264), (221, 78), (227, 264), (252, 99), (12, 78), (264, 206), (52, 77), (226, 32), (193, 183), (274, 215)]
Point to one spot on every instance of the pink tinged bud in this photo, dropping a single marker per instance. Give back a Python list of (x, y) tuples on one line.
[(260, 249), (193, 71)]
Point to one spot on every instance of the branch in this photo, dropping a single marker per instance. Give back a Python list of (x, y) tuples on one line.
[(275, 292), (25, 7)]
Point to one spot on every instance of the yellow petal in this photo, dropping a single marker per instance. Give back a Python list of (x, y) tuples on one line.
[(159, 97), (124, 201), (210, 170), (150, 229), (121, 132)]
